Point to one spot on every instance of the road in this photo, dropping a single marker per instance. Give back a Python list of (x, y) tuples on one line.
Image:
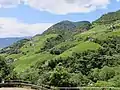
[(14, 89)]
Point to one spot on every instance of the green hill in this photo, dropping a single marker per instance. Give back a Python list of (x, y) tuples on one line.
[(70, 54), (68, 28), (108, 18), (65, 26)]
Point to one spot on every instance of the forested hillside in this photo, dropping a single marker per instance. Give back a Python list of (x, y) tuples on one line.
[(70, 54)]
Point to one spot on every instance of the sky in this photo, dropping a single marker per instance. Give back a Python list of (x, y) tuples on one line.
[(19, 18)]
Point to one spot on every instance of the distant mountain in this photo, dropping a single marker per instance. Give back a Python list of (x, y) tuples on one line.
[(4, 42)]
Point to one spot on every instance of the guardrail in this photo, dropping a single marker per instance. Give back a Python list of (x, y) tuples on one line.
[(24, 84), (29, 85), (17, 81), (87, 88)]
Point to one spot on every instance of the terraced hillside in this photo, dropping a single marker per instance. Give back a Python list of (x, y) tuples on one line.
[(38, 47), (70, 54)]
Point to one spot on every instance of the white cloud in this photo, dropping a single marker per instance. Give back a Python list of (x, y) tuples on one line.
[(60, 6), (9, 3), (68, 6), (11, 27)]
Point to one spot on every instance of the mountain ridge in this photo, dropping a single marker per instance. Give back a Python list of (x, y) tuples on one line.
[(67, 26)]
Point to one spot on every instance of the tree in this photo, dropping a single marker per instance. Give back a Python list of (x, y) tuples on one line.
[(106, 73), (78, 79), (30, 75), (115, 80), (94, 74), (60, 77), (5, 69)]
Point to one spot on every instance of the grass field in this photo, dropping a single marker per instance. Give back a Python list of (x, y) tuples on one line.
[(100, 32), (25, 62), (83, 46)]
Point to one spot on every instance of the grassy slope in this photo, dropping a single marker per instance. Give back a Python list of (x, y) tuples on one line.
[(100, 32), (83, 46), (38, 43), (25, 61), (67, 43)]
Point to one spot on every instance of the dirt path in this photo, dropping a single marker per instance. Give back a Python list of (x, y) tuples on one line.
[(14, 89)]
